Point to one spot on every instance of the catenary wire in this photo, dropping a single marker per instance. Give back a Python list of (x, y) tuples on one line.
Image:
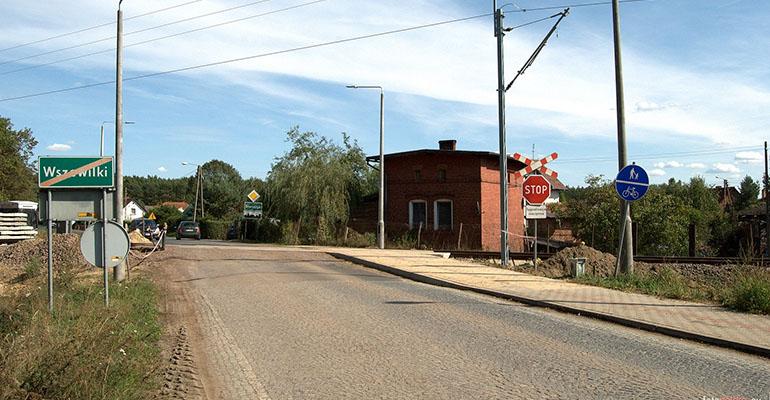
[(222, 11), (75, 46), (96, 26), (323, 44), (161, 38)]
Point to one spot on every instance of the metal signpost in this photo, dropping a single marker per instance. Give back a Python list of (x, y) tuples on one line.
[(631, 184), (71, 178), (251, 209), (536, 189)]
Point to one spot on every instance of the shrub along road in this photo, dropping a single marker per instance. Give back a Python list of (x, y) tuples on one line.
[(292, 323)]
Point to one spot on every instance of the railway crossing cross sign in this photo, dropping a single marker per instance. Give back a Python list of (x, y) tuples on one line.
[(632, 183), (533, 165)]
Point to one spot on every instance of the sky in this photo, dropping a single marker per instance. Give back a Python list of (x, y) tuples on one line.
[(697, 97)]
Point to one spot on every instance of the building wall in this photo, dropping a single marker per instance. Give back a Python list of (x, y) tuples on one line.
[(490, 205), (461, 186), (473, 185)]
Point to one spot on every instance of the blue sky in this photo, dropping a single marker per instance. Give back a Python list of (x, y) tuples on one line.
[(697, 91)]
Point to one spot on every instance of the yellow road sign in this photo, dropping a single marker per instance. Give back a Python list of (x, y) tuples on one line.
[(253, 196), (152, 216)]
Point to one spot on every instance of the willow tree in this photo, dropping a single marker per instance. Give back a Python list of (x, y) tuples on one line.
[(313, 183)]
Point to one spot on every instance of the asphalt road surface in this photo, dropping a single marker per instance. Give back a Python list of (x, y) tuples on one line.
[(297, 324)]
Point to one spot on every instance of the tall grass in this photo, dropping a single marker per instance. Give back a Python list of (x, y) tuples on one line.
[(83, 350)]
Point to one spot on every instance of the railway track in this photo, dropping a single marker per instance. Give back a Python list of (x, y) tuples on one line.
[(647, 259)]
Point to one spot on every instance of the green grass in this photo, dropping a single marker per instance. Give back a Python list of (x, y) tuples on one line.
[(750, 292), (667, 283), (747, 291), (83, 350)]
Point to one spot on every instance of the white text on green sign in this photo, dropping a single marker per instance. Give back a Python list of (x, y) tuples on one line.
[(75, 172)]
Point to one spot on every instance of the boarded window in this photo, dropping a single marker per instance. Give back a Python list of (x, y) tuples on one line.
[(442, 174), (417, 213), (443, 215)]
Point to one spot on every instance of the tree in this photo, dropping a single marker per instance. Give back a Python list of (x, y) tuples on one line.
[(17, 170), (593, 213), (749, 192), (222, 190), (167, 214), (313, 183)]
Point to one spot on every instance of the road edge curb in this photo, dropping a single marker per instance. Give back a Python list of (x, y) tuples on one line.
[(677, 333)]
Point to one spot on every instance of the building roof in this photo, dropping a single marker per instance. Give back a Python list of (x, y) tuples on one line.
[(488, 154), (176, 204), (128, 200), (555, 183)]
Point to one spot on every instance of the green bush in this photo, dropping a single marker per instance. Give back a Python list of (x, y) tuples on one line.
[(269, 231), (355, 239), (750, 292), (214, 229)]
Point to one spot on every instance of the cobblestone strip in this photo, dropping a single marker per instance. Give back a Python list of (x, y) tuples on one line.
[(237, 378), (180, 378)]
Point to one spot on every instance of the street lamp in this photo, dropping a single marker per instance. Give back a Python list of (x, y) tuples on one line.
[(198, 188), (101, 142), (381, 208)]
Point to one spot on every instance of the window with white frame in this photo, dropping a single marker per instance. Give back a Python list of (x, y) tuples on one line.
[(442, 215), (418, 213)]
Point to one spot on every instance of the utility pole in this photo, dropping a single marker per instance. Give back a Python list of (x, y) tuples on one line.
[(767, 207), (499, 34), (119, 273), (627, 257), (200, 179), (197, 190)]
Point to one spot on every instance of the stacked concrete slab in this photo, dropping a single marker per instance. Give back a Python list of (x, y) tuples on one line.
[(14, 227)]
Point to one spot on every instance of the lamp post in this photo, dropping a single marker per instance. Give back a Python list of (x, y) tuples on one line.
[(381, 206), (198, 187), (101, 136)]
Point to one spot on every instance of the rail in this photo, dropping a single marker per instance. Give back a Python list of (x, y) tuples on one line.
[(647, 259)]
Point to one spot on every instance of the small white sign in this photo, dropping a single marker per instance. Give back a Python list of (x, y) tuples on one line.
[(535, 211)]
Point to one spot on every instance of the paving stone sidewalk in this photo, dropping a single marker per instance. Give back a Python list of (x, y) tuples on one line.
[(706, 323)]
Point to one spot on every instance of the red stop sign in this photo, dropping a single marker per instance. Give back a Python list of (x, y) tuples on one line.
[(536, 189)]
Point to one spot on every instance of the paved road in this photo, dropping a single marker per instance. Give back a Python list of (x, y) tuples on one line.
[(298, 324)]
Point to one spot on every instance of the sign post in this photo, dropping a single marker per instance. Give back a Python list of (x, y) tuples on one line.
[(536, 189), (631, 184), (75, 173)]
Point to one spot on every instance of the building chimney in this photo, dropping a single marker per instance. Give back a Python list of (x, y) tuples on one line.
[(448, 145)]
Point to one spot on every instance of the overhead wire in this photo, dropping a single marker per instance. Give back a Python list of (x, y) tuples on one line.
[(161, 37), (652, 156), (261, 55), (59, 50), (96, 26)]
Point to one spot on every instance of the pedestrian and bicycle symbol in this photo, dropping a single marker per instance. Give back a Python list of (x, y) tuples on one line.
[(632, 183)]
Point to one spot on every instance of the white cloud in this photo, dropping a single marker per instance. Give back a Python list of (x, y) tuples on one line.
[(696, 165), (567, 89), (657, 172), (669, 164), (162, 169), (59, 147), (748, 157), (724, 168), (645, 106)]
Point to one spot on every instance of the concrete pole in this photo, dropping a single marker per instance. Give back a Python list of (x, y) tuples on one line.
[(200, 179), (627, 262), (499, 33), (120, 270), (381, 200), (767, 207), (197, 190)]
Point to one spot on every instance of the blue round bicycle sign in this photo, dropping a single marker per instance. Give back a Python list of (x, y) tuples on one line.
[(632, 183)]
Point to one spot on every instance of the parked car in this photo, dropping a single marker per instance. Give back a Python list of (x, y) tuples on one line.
[(149, 228), (232, 231), (188, 229)]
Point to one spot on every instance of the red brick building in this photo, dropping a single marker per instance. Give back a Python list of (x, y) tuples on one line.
[(441, 192)]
